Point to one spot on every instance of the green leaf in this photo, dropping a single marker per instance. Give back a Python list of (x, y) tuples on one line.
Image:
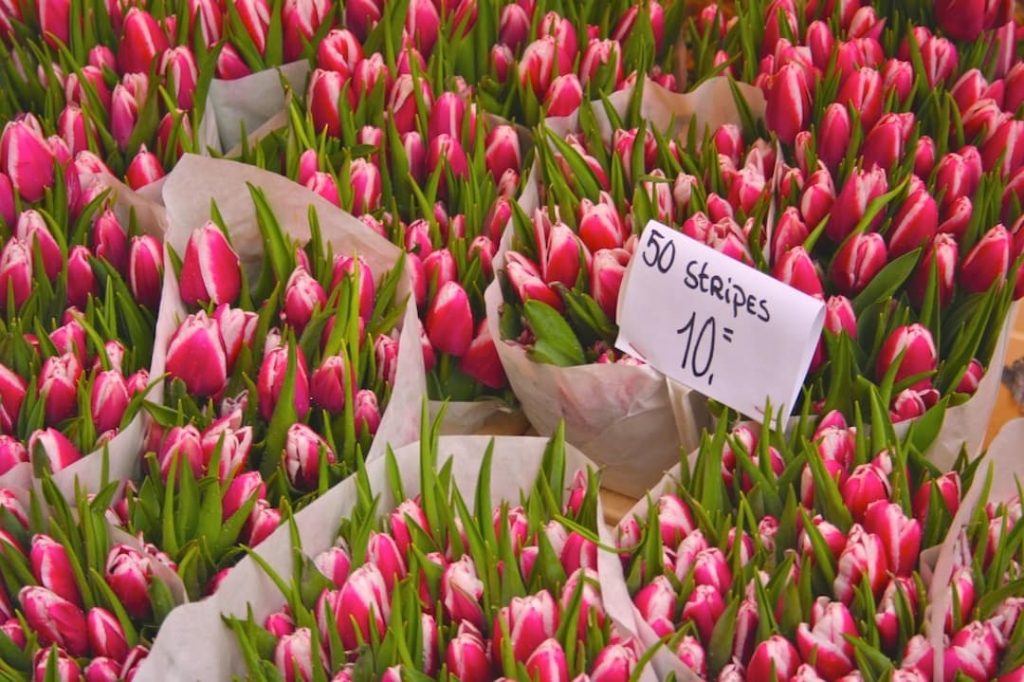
[(555, 341)]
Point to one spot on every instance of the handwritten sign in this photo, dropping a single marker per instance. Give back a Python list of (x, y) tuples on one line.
[(715, 324)]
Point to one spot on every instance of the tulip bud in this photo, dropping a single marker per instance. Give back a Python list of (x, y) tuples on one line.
[(58, 388), (128, 573), (272, 377), (303, 452), (12, 453), (788, 101), (303, 297), (862, 90), (142, 42), (54, 619), (502, 152), (861, 188), (825, 644), (340, 50), (547, 663), (145, 270), (940, 60), (423, 22), (293, 656), (450, 320), (796, 269), (466, 655), (536, 67), (924, 157), (988, 262), (860, 258), (240, 491), (55, 447), (197, 338), (184, 446), (481, 360), (367, 412), (834, 136), (862, 559), (109, 400), (943, 253), (52, 568), (362, 604), (12, 395), (773, 657), (901, 537), (1005, 147), (106, 637), (27, 158), (818, 197), (344, 266)]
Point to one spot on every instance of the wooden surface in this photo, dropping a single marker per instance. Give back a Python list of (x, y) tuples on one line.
[(616, 505)]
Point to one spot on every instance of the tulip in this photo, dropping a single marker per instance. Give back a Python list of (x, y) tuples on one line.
[(448, 150), (467, 656), (901, 537), (243, 488), (954, 180), (12, 453), (362, 604), (279, 624), (796, 269), (536, 67), (263, 521), (7, 208), (564, 95), (987, 262), (196, 355), (236, 328), (834, 135), (31, 228), (1005, 147), (124, 114), (450, 320), (12, 394), (862, 89), (271, 380), (293, 656), (502, 151), (461, 592), (55, 447), (861, 188), (52, 568), (602, 64), (423, 22), (327, 388), (54, 619), (106, 637), (142, 42), (109, 400), (54, 21), (919, 354), (335, 564), (344, 266), (325, 96), (775, 656), (818, 197), (943, 253), (303, 452), (547, 663), (656, 601), (210, 271), (184, 444), (339, 51), (788, 103), (862, 559), (27, 158), (530, 620), (58, 387), (857, 262), (915, 223), (983, 119), (367, 412), (824, 645), (361, 16), (704, 607), (481, 360), (303, 297), (366, 186)]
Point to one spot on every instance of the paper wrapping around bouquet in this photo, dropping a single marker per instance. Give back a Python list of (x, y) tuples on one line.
[(630, 420), (195, 643), (251, 100), (188, 193)]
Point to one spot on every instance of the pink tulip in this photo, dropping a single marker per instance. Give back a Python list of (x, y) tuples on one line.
[(774, 656), (919, 354), (196, 355), (27, 158), (450, 320)]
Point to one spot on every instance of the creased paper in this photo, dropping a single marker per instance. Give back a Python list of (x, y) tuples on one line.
[(630, 420), (251, 101), (195, 644), (197, 181)]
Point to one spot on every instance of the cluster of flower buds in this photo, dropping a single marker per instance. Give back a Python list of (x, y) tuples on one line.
[(429, 579), (63, 389), (280, 411), (555, 66), (77, 607), (827, 578)]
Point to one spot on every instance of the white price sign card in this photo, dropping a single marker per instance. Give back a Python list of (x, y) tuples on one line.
[(715, 324)]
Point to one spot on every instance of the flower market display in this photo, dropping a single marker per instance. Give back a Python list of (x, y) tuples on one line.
[(271, 272)]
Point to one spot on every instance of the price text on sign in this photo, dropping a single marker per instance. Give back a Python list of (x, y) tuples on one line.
[(715, 324)]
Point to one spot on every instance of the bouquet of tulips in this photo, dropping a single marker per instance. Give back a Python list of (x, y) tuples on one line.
[(599, 177), (288, 367), (393, 574), (80, 295), (808, 557), (78, 597)]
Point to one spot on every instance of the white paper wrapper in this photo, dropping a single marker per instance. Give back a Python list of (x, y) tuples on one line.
[(196, 181), (463, 417), (1004, 458), (251, 100), (631, 420), (194, 643)]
